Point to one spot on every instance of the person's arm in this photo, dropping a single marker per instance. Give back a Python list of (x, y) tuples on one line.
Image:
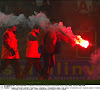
[(67, 39), (6, 43), (40, 40), (41, 37), (62, 37)]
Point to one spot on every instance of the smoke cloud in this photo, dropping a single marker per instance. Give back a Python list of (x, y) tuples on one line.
[(11, 20), (38, 18)]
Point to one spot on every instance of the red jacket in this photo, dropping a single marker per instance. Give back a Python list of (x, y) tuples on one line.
[(32, 46), (9, 38)]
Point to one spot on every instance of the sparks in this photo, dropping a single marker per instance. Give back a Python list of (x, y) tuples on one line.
[(84, 43)]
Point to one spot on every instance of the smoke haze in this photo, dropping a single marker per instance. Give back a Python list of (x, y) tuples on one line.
[(42, 20), (38, 18), (11, 20)]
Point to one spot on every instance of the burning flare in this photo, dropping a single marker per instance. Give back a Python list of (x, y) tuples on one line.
[(83, 43), (76, 39)]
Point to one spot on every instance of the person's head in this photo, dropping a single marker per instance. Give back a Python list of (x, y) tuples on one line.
[(13, 28), (36, 28)]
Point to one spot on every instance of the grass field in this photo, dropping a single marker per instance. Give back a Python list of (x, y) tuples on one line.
[(49, 82)]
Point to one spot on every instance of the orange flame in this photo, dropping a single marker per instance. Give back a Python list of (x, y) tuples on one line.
[(84, 43)]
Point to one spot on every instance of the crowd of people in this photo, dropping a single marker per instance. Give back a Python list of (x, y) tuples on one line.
[(41, 42)]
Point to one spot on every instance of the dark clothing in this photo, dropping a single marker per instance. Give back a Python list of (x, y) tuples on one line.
[(32, 61), (49, 62), (47, 41), (14, 63), (50, 43)]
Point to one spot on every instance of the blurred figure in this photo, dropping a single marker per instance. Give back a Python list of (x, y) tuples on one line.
[(10, 54), (32, 52), (49, 41)]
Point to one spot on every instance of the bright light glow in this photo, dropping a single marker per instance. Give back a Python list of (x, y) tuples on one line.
[(84, 43)]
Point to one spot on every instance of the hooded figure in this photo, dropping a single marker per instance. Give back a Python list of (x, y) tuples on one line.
[(49, 42), (10, 52)]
